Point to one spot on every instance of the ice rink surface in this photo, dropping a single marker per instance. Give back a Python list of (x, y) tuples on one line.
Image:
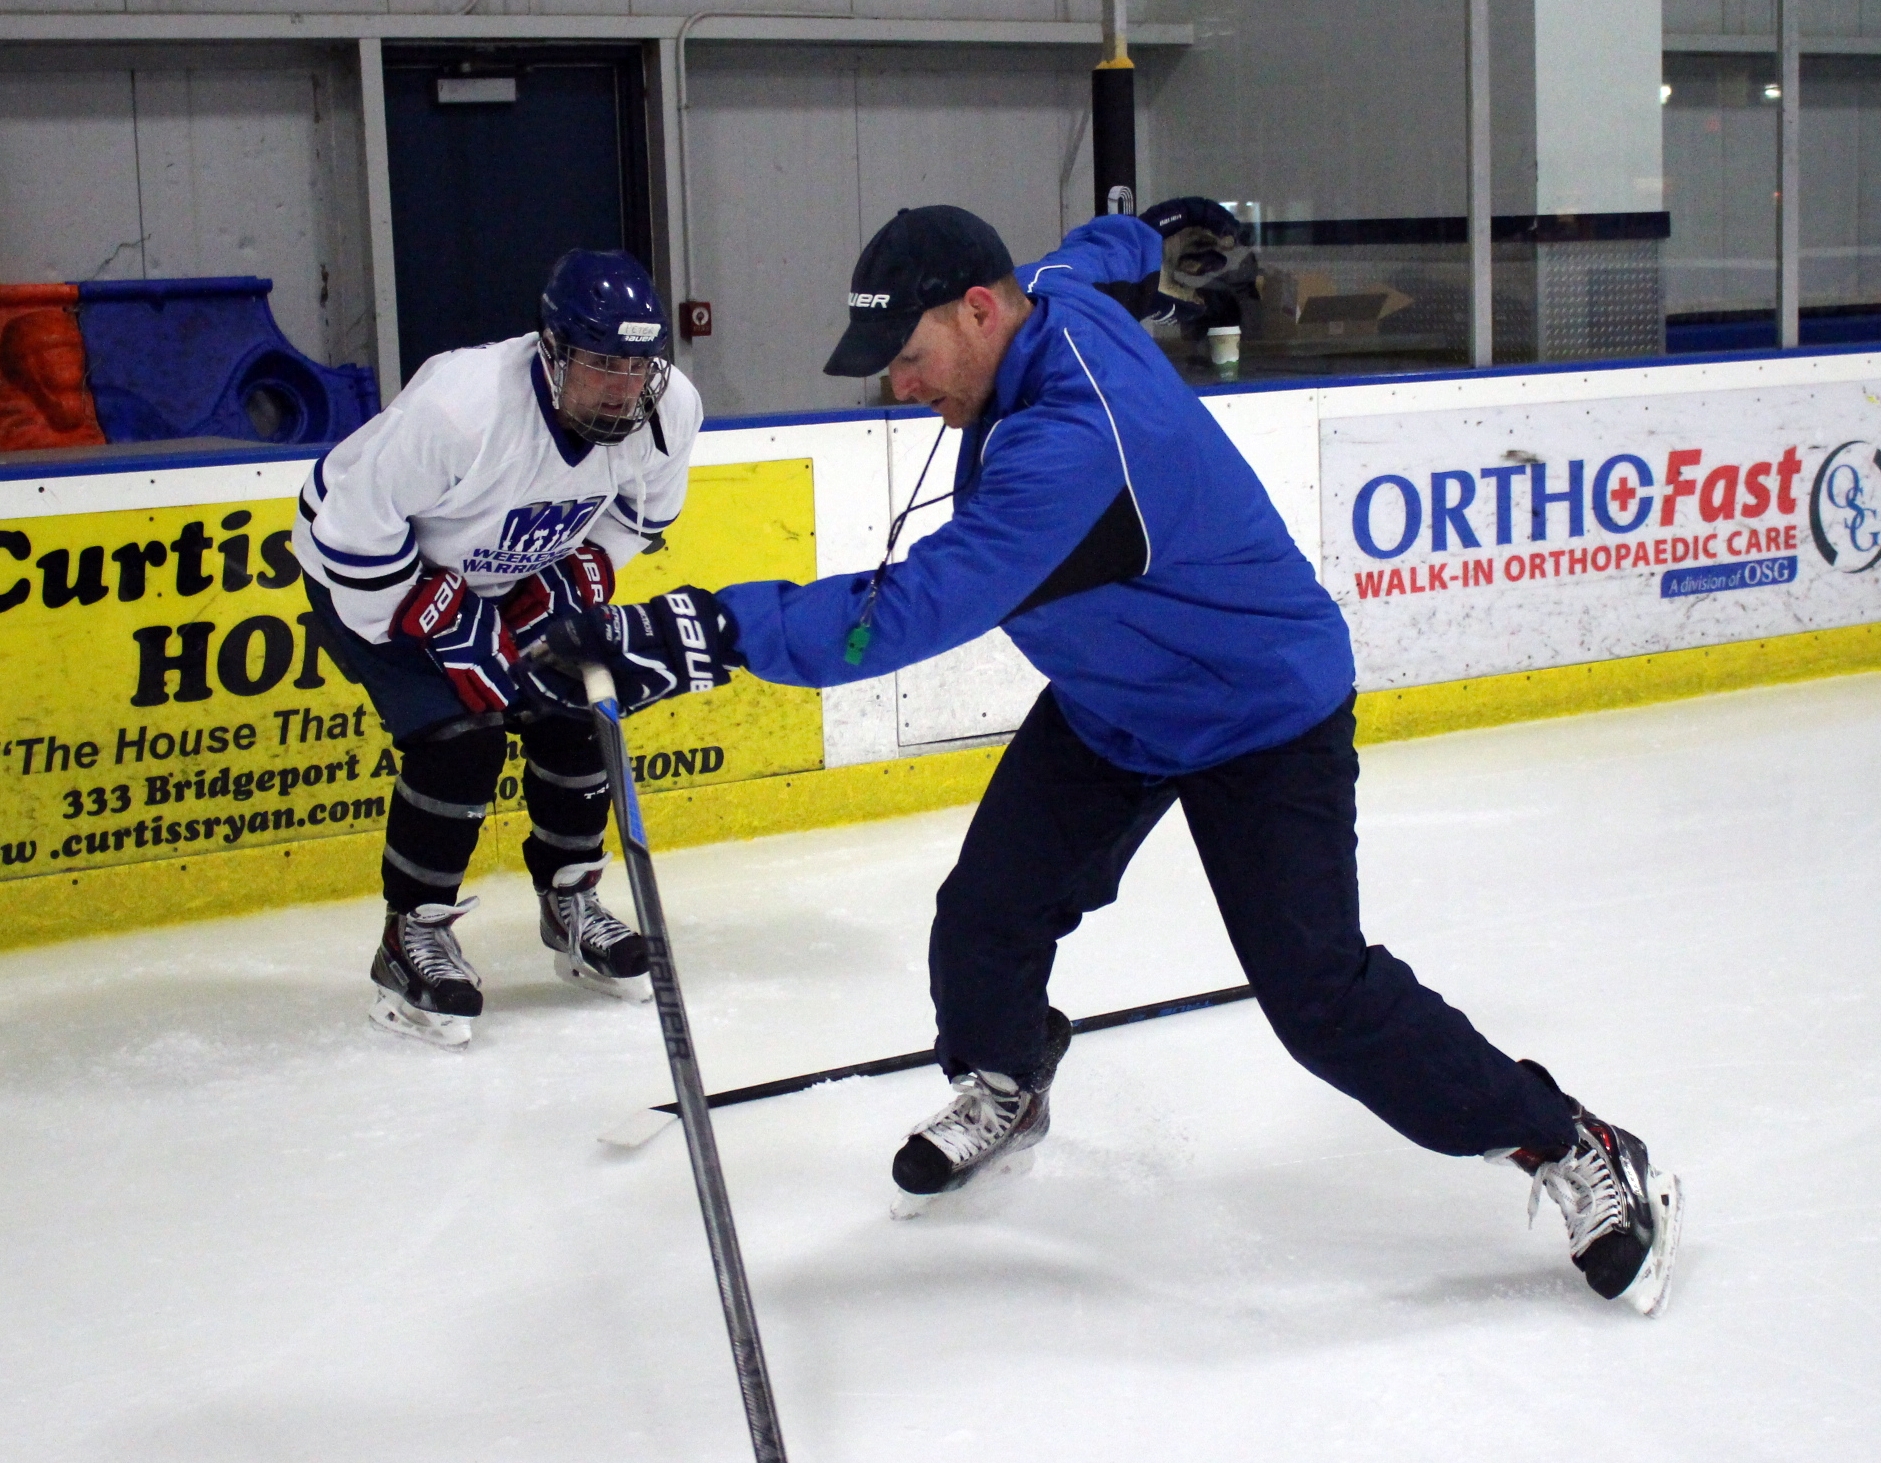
[(240, 1225)]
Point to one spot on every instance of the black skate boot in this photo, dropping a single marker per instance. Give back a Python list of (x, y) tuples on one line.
[(992, 1116), (1623, 1216), (592, 948), (427, 989)]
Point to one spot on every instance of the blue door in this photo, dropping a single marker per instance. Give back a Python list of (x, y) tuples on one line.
[(500, 162)]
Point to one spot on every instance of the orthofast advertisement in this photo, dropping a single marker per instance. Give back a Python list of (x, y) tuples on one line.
[(1479, 542)]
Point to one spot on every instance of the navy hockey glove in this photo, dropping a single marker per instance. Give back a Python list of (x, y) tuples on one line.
[(583, 578), (1202, 241), (672, 644), (464, 635)]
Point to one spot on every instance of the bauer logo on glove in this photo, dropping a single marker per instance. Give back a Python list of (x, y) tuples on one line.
[(674, 643), (465, 637), (702, 666)]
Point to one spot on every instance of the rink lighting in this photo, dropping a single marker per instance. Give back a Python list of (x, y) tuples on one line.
[(1665, 92), (1773, 93)]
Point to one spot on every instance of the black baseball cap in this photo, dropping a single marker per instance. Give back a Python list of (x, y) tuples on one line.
[(920, 258)]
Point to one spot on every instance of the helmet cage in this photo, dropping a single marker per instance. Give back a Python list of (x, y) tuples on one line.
[(598, 424)]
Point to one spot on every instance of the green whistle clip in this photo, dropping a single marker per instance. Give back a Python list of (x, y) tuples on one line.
[(857, 643)]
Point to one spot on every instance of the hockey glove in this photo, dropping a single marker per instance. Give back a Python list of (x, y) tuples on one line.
[(464, 635), (1202, 242), (672, 644), (584, 578)]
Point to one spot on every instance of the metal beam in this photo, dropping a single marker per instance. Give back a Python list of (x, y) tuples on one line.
[(172, 27), (379, 216), (1789, 177), (1767, 45), (1482, 273), (669, 200)]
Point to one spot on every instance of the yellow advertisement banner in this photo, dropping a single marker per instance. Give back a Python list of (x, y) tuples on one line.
[(169, 693), (754, 520)]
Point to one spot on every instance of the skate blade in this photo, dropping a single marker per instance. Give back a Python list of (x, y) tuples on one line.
[(639, 1130), (401, 1018), (635, 988), (1651, 1290), (978, 1194)]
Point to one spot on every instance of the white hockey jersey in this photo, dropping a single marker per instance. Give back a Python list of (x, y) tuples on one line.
[(467, 469)]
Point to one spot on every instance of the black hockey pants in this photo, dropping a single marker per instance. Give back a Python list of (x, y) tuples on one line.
[(1277, 836)]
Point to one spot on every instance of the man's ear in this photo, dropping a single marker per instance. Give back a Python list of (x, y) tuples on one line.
[(982, 304)]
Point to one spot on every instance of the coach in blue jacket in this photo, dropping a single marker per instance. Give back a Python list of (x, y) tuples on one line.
[(1107, 523)]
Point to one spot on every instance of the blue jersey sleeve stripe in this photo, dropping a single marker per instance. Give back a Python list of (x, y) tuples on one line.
[(367, 561), (630, 511)]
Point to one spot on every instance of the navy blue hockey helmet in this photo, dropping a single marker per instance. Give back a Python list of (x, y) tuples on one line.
[(601, 313)]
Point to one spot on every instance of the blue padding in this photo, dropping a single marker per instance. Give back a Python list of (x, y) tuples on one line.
[(174, 358), (171, 289), (1689, 337)]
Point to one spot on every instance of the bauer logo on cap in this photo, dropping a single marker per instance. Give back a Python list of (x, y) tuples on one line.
[(639, 331), (920, 259)]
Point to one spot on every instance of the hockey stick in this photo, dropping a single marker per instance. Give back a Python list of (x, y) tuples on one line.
[(644, 1126), (734, 1292)]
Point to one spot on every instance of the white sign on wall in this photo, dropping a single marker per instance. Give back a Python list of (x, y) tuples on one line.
[(1482, 541)]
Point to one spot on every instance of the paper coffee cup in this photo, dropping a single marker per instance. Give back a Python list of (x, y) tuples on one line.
[(1224, 344)]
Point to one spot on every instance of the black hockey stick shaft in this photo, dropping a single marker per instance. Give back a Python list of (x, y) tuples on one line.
[(734, 1291), (908, 1061)]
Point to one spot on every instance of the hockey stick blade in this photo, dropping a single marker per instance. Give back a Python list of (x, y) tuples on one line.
[(640, 1129), (646, 1125)]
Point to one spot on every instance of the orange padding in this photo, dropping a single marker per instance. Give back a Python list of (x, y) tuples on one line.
[(43, 398), (20, 296)]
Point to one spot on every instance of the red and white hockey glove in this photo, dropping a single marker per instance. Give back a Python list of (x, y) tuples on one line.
[(465, 636)]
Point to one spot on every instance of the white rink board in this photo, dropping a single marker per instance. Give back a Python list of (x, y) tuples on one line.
[(1315, 448), (1480, 542)]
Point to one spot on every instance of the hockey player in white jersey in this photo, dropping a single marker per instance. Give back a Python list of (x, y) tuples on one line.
[(500, 490)]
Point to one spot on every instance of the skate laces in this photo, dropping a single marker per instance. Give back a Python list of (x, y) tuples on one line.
[(1582, 1184), (980, 1115), (430, 944), (586, 920)]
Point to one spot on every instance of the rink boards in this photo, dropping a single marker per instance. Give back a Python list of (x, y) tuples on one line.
[(177, 742)]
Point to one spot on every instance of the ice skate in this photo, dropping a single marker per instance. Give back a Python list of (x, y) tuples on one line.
[(593, 949), (992, 1118), (427, 990), (1623, 1215)]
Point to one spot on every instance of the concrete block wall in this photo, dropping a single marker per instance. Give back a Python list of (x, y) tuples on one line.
[(153, 161)]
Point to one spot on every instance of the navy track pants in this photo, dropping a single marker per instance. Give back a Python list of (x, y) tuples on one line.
[(1277, 834)]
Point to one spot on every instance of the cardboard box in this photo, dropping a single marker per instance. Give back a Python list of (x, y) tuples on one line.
[(1306, 305)]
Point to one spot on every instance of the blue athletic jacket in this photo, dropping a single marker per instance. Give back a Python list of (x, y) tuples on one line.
[(1105, 520)]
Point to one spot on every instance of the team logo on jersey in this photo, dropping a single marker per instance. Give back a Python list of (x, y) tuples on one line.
[(534, 536), (1845, 507)]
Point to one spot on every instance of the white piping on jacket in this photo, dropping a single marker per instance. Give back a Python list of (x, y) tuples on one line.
[(1129, 486)]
